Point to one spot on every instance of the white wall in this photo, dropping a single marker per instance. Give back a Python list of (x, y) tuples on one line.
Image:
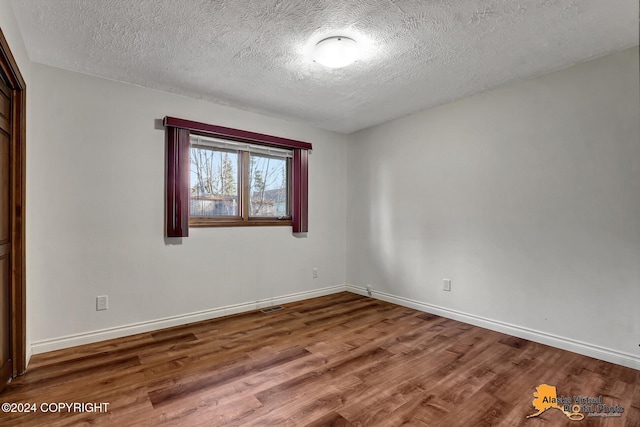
[(96, 216), (527, 197)]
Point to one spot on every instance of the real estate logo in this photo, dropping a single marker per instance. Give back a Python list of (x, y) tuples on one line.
[(546, 397)]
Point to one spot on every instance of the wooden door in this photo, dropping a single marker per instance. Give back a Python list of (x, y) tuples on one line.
[(6, 351)]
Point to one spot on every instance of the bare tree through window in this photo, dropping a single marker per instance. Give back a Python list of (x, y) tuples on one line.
[(213, 182), (268, 186)]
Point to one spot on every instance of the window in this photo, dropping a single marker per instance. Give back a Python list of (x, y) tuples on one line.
[(219, 176), (231, 183)]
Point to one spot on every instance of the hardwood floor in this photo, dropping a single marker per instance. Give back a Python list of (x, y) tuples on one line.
[(339, 360)]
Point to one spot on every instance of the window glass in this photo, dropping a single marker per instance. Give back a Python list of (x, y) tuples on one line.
[(268, 186), (213, 182)]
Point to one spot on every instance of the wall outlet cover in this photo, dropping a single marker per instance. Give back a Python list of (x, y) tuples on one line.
[(102, 302)]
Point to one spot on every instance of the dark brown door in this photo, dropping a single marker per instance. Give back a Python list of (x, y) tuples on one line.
[(6, 370)]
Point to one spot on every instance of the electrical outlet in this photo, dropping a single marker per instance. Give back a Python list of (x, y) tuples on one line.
[(102, 302), (446, 285), (315, 273), (369, 290)]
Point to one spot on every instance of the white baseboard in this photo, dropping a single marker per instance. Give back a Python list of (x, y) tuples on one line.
[(591, 350), (167, 322)]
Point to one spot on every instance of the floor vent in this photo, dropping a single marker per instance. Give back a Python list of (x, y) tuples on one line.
[(272, 309)]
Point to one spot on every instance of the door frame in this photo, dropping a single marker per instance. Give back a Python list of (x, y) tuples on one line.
[(9, 69)]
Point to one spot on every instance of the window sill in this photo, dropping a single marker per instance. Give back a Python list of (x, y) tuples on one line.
[(208, 222)]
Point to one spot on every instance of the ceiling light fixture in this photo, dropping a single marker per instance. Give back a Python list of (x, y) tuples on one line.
[(335, 52)]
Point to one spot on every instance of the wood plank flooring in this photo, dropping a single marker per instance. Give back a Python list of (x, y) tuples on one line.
[(339, 360)]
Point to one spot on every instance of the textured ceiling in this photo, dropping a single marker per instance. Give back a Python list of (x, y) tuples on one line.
[(252, 55)]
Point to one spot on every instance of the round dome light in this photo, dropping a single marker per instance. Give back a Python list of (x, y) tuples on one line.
[(336, 52)]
